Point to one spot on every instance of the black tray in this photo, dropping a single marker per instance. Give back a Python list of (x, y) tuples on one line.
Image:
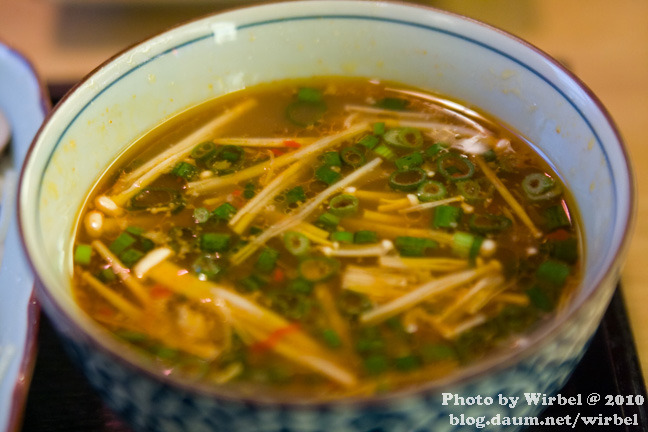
[(61, 400)]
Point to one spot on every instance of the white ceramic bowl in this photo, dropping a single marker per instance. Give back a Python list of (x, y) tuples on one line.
[(417, 46)]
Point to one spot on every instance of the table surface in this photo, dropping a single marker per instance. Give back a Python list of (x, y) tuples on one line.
[(605, 42)]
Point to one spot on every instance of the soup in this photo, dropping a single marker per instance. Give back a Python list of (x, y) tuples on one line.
[(325, 238)]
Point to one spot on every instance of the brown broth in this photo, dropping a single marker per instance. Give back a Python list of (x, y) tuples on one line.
[(513, 264)]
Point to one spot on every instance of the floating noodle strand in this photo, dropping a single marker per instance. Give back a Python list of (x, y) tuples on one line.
[(212, 184)]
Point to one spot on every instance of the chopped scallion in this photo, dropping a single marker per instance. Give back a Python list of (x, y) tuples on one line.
[(224, 212), (295, 195), (296, 243), (344, 205), (121, 243), (214, 242), (328, 221), (369, 141), (204, 151), (130, 256), (83, 254), (385, 152), (365, 237), (408, 180), (331, 159), (412, 160), (431, 190), (446, 216), (342, 236), (414, 246), (404, 137), (327, 175), (455, 167), (352, 156), (185, 170), (553, 272), (485, 223), (555, 217), (267, 260), (540, 186)]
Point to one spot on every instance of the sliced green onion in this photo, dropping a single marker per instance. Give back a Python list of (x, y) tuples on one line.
[(251, 283), (295, 195), (158, 198), (327, 175), (290, 305), (296, 243), (300, 286), (414, 246), (309, 94), (437, 352), (472, 191), (379, 128), (106, 275), (224, 212), (408, 180), (231, 153), (365, 237), (83, 254), (214, 242), (206, 268), (539, 298), (352, 156), (318, 269), (385, 152), (489, 155), (431, 190), (185, 170), (343, 205), (267, 260), (404, 137), (556, 217), (136, 231), (249, 191), (130, 256), (434, 150), (331, 338), (331, 159), (376, 364), (455, 167), (204, 151), (305, 113), (201, 214), (553, 272), (412, 160), (342, 236), (446, 216), (539, 186), (466, 245), (146, 244), (393, 103), (407, 363), (488, 223), (121, 243), (369, 141), (328, 221), (352, 304), (564, 250)]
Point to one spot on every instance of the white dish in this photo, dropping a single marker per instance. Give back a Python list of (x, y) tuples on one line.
[(24, 106)]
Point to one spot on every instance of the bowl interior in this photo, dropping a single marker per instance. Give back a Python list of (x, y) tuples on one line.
[(412, 45)]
